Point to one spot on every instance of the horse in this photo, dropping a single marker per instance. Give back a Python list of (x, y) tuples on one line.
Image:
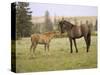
[(43, 39), (74, 32)]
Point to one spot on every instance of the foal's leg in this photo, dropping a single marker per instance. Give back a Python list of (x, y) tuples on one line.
[(34, 47), (45, 47), (31, 48), (48, 46), (70, 39), (75, 45)]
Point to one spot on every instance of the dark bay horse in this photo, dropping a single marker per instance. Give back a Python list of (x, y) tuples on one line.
[(74, 32)]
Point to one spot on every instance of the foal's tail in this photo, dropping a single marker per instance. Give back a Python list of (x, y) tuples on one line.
[(31, 44)]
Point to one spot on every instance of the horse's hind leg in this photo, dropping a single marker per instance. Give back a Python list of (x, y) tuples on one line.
[(70, 45), (75, 45), (87, 43), (32, 48)]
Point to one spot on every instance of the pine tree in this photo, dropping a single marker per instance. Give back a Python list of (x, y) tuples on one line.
[(23, 20), (48, 23), (55, 23)]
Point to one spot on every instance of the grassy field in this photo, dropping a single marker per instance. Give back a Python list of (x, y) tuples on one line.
[(58, 58)]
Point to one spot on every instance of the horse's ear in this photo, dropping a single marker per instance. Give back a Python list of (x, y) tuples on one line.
[(58, 25), (87, 22), (63, 18)]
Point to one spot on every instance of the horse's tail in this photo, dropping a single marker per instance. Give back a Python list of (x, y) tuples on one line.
[(89, 38), (89, 35)]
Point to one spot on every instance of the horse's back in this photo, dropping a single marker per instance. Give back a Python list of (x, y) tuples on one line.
[(85, 29)]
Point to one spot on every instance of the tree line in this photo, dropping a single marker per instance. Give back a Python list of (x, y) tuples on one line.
[(24, 25)]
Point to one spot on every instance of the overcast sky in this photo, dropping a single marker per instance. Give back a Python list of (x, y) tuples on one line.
[(38, 9)]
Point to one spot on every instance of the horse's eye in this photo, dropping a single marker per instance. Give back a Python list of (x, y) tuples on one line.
[(64, 25)]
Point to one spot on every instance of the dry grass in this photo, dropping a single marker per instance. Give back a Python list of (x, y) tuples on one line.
[(59, 57)]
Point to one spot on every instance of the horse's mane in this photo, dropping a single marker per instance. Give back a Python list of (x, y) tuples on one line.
[(68, 23)]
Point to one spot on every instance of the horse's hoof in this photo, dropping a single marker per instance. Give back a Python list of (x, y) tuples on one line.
[(76, 51)]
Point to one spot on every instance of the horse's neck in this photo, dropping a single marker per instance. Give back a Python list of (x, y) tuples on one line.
[(68, 32), (69, 28)]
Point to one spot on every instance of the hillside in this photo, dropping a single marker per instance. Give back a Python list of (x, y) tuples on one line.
[(72, 19)]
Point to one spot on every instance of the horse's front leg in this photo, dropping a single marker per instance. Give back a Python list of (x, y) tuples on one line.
[(75, 45), (70, 39)]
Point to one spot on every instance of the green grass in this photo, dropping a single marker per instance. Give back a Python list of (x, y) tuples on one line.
[(58, 58), (94, 33)]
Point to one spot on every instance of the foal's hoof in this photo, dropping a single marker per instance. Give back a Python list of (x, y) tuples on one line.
[(48, 54), (44, 54), (32, 57)]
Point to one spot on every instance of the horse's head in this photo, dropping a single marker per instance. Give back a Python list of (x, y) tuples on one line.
[(65, 26), (62, 26)]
